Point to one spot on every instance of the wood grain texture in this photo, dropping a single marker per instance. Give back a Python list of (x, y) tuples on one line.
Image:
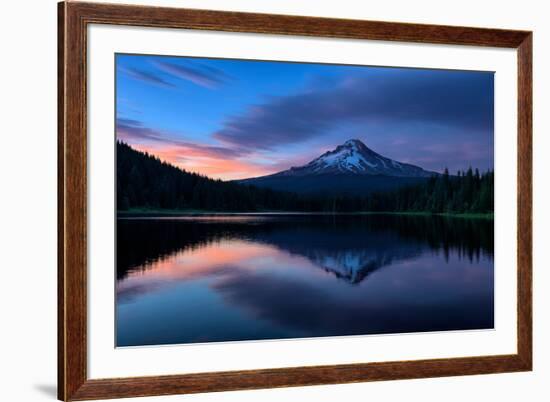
[(60, 202), (72, 201), (294, 25), (74, 18), (524, 199), (298, 376)]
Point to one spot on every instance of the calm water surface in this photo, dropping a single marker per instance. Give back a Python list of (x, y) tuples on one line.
[(245, 277)]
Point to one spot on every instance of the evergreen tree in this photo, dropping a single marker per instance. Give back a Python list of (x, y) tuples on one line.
[(144, 181)]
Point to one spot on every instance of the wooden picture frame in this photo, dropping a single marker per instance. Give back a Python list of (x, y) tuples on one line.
[(73, 381)]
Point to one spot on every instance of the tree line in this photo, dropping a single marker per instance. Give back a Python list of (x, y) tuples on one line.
[(468, 191), (146, 182), (142, 243)]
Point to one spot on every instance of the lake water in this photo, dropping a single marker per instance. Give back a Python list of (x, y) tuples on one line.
[(250, 277)]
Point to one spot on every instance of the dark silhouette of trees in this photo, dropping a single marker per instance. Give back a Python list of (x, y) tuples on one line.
[(142, 243), (145, 182), (467, 192)]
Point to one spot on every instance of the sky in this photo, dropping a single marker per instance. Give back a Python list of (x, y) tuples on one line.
[(233, 119)]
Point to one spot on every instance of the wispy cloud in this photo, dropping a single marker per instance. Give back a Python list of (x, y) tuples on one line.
[(211, 160), (198, 74), (133, 130), (146, 76), (459, 100)]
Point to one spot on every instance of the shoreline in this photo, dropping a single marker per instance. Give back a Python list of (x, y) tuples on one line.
[(152, 213)]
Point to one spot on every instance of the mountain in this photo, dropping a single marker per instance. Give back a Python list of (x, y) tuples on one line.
[(354, 157), (146, 184), (351, 168)]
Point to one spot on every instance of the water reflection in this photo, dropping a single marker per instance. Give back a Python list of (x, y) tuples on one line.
[(217, 279)]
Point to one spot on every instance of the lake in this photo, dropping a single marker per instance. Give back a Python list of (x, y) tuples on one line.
[(215, 278)]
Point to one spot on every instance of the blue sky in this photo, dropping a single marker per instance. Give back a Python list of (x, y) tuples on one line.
[(233, 119)]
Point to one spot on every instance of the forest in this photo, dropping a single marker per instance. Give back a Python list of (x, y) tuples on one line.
[(144, 182)]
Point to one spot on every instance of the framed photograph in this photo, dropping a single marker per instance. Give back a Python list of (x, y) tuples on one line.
[(254, 201)]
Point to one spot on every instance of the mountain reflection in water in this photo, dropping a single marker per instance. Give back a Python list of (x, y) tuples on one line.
[(246, 277)]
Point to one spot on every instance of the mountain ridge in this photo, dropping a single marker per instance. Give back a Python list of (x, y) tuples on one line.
[(354, 157), (351, 168)]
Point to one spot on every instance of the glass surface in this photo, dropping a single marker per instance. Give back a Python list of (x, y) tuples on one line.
[(263, 199)]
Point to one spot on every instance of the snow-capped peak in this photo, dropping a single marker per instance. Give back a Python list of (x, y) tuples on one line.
[(354, 157), (353, 143)]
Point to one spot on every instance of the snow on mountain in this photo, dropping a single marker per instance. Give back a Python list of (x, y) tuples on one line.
[(354, 265), (354, 157)]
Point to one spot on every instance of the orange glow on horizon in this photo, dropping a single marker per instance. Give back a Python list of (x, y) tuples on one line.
[(205, 163)]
